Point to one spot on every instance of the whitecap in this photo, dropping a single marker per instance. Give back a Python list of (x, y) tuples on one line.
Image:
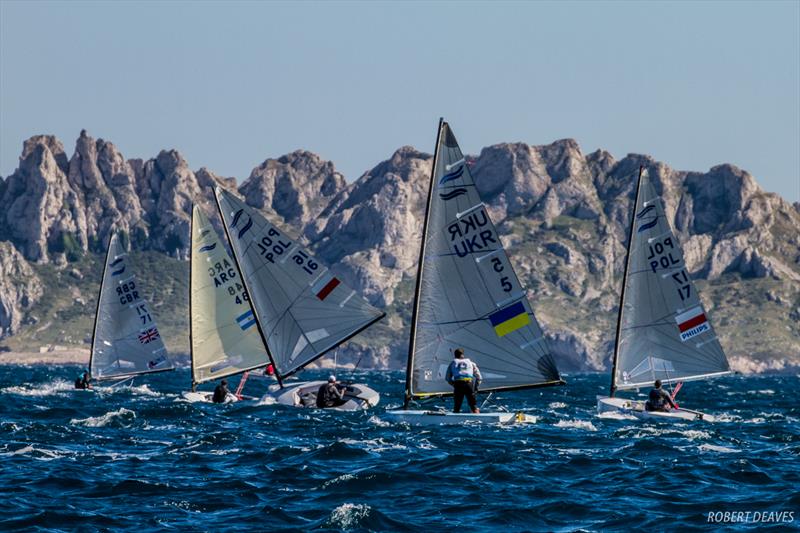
[(378, 422), (39, 454), (557, 405), (719, 449), (348, 515), (103, 420), (374, 445), (41, 389), (576, 424)]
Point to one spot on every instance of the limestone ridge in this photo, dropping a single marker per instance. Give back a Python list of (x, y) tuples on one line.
[(563, 214)]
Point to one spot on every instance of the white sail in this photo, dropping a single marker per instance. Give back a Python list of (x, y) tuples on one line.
[(224, 335), (468, 295), (664, 331), (126, 340), (302, 308)]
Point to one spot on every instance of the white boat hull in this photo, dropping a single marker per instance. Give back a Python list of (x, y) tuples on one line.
[(206, 397), (357, 396), (606, 404), (431, 418)]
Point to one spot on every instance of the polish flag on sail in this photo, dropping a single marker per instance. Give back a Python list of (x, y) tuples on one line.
[(324, 285), (692, 323)]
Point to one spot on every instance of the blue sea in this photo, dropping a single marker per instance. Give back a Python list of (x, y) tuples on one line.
[(140, 458)]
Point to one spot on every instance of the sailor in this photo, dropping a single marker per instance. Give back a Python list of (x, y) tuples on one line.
[(221, 392), (269, 370), (84, 382), (465, 377), (330, 394), (660, 400)]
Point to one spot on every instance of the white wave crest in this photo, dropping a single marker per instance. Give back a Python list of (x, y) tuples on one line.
[(41, 389), (36, 453), (557, 405), (576, 424), (348, 515), (378, 422), (718, 449), (103, 420), (374, 445)]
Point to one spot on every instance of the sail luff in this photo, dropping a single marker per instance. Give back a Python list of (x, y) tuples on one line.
[(99, 299), (624, 283), (191, 298), (244, 282), (420, 262)]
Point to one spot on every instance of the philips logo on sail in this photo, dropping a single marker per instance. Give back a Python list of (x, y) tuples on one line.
[(692, 323)]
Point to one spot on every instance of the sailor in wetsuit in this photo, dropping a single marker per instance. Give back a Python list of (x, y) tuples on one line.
[(84, 382), (330, 395), (464, 376), (660, 400), (221, 392)]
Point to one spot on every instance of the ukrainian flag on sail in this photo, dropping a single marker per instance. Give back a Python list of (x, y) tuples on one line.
[(509, 319)]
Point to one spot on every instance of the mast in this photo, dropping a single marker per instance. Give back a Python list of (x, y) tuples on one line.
[(624, 280), (99, 298), (249, 301), (415, 311), (189, 312)]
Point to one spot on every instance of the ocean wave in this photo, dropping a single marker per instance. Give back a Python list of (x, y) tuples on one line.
[(348, 515), (41, 389), (576, 424), (121, 416), (718, 449)]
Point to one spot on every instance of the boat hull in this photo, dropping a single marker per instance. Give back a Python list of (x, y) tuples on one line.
[(304, 394), (606, 404), (432, 418), (206, 397)]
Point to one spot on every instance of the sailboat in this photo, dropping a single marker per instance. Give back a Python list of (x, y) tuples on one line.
[(663, 331), (126, 341), (222, 329), (301, 309), (468, 296)]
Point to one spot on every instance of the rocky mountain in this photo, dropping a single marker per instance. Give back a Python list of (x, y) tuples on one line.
[(562, 213)]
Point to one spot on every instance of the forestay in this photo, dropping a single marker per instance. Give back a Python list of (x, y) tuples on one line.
[(468, 295), (126, 340), (664, 331), (224, 335), (303, 309)]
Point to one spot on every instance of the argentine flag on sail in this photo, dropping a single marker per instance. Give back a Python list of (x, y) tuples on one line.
[(246, 320)]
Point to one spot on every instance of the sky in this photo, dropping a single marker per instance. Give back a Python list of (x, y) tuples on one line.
[(230, 84)]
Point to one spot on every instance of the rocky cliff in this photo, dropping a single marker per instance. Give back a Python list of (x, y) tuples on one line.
[(563, 214)]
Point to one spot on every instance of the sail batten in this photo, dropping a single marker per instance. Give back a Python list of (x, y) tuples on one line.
[(304, 310), (126, 340), (224, 339), (663, 329), (467, 293)]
